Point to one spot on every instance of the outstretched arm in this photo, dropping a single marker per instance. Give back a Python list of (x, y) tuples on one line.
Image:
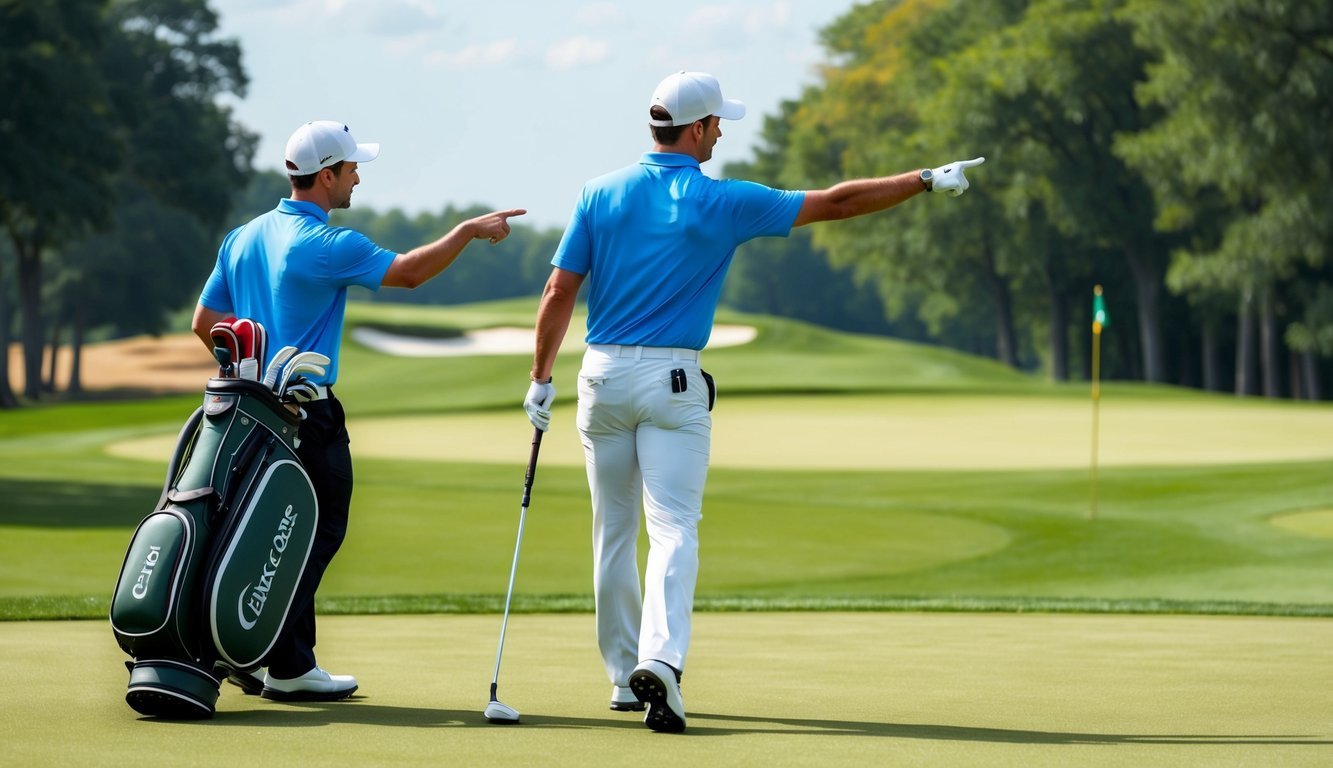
[(858, 197), (424, 262), (861, 196)]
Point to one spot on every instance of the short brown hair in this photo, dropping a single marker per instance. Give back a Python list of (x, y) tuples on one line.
[(667, 135), (307, 181)]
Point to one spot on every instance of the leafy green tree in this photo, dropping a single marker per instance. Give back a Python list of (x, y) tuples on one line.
[(60, 145), (879, 112), (1245, 86), (790, 276), (185, 160)]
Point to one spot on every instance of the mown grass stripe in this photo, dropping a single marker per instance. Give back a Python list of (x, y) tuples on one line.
[(91, 607)]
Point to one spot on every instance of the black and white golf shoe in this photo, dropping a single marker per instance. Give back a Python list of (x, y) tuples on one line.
[(315, 685), (654, 683)]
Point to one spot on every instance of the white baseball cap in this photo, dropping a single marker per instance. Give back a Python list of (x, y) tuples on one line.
[(320, 144), (690, 96)]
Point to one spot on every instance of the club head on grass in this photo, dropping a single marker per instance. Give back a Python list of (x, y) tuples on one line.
[(497, 712)]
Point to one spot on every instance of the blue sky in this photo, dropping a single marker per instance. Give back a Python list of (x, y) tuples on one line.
[(506, 103)]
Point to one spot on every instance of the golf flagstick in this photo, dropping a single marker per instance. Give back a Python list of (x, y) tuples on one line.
[(497, 712)]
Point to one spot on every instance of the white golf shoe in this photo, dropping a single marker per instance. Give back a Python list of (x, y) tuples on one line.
[(655, 684), (315, 685), (624, 700)]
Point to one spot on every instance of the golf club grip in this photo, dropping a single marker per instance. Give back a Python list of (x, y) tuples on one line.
[(532, 466)]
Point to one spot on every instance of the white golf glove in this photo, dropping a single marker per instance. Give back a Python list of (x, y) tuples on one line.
[(538, 404), (949, 178)]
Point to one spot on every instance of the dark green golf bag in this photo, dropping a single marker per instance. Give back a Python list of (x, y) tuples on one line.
[(211, 573)]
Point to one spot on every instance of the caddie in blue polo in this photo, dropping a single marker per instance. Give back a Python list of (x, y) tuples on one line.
[(653, 241), (289, 270)]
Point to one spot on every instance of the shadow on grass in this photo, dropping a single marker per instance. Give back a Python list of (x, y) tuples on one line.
[(925, 731), (358, 711), (46, 504)]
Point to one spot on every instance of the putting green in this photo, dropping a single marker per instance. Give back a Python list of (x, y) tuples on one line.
[(866, 432), (1317, 523), (761, 689)]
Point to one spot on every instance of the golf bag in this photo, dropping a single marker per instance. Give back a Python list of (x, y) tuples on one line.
[(211, 573)]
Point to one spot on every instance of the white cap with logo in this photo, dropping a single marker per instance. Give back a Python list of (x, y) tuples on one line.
[(690, 96), (319, 144)]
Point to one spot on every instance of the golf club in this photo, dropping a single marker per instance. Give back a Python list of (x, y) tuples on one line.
[(497, 712), (223, 336), (223, 356), (275, 366)]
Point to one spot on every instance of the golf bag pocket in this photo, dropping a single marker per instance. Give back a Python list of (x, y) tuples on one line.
[(153, 619), (253, 580), (151, 581)]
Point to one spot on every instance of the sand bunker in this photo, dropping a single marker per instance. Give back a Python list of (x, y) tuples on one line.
[(505, 341), (181, 363)]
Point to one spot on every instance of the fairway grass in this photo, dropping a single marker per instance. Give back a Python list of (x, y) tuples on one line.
[(772, 689), (871, 432)]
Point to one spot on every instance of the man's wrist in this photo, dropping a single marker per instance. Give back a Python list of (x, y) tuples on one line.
[(539, 380)]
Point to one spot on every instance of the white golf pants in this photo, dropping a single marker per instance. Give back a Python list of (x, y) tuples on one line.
[(644, 446)]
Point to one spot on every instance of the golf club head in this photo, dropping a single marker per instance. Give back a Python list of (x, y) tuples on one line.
[(275, 366), (500, 713), (223, 356), (261, 345), (301, 362), (223, 336), (245, 331), (308, 358)]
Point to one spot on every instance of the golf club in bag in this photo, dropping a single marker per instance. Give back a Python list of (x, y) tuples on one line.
[(210, 574), (497, 712)]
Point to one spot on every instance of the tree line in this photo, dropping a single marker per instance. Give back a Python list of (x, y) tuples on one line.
[(1170, 152)]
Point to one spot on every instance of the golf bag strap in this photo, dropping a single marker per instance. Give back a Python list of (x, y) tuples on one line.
[(180, 497)]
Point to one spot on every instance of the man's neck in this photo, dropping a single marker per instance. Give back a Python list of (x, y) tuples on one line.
[(679, 148), (314, 197)]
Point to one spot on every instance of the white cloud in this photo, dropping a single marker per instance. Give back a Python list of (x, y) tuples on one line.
[(476, 56), (724, 23), (386, 18), (600, 15), (578, 51)]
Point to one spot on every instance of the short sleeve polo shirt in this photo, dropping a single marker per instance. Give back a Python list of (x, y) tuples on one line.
[(289, 271), (655, 241)]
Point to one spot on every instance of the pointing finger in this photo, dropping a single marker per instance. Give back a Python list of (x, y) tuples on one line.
[(970, 163)]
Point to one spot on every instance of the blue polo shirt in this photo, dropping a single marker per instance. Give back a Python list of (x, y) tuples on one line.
[(289, 271), (655, 241)]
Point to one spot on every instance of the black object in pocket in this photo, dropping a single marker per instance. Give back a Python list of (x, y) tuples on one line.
[(678, 381), (712, 388)]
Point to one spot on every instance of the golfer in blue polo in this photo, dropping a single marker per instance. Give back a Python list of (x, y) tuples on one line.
[(290, 269), (653, 241)]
